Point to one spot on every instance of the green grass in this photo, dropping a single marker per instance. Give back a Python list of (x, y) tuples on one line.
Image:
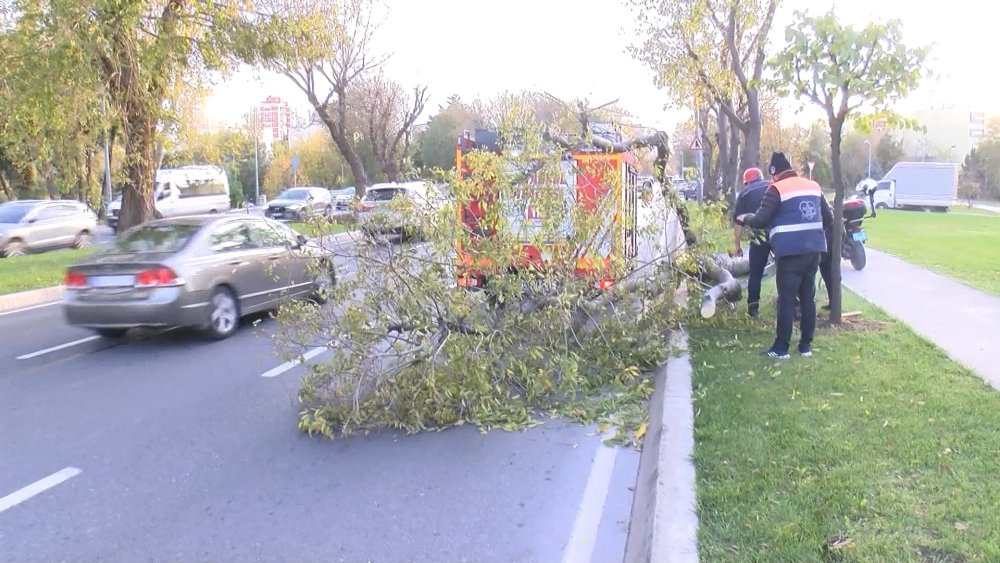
[(316, 229), (964, 246), (879, 445), (37, 270)]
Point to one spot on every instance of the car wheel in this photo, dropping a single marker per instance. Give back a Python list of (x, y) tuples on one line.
[(324, 282), (881, 206), (15, 248), (114, 333), (83, 240), (224, 314)]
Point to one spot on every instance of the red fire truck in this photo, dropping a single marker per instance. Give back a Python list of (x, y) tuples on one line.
[(601, 180)]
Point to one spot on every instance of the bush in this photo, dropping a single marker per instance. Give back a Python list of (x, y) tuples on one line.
[(412, 350)]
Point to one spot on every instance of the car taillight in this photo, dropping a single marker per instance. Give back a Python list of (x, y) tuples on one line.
[(75, 279), (156, 277)]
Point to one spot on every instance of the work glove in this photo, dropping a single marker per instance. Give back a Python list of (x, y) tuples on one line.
[(742, 219)]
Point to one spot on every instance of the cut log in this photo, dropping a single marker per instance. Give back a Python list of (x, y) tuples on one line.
[(721, 270)]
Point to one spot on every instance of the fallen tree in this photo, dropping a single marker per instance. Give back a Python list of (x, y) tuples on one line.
[(410, 350), (723, 270)]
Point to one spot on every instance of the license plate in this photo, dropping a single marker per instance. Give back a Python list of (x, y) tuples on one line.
[(111, 281), (859, 236)]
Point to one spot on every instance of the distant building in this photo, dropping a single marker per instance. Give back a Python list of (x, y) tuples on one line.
[(275, 117), (950, 134)]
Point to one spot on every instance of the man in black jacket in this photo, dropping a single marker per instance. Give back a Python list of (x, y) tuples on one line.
[(754, 186), (796, 215)]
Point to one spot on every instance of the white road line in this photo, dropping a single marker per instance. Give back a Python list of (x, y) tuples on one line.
[(582, 539), (289, 365), (33, 307), (40, 486), (59, 347)]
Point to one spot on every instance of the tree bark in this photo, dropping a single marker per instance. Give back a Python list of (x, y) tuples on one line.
[(338, 130), (137, 193), (837, 238)]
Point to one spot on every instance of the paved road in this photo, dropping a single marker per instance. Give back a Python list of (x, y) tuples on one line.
[(166, 446)]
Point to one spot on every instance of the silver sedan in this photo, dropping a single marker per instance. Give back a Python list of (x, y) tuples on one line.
[(203, 271)]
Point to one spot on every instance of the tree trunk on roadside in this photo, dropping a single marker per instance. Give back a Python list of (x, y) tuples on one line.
[(137, 193), (50, 181), (718, 174), (837, 238), (751, 145), (337, 125), (733, 170)]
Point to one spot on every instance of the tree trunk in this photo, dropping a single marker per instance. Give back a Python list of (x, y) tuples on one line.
[(733, 170), (50, 181), (137, 193), (338, 130), (751, 146), (722, 165), (89, 156), (837, 238)]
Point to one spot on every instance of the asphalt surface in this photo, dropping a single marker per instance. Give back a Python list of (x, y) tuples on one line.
[(168, 446)]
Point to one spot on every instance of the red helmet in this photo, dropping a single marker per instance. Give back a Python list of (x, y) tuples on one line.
[(752, 174)]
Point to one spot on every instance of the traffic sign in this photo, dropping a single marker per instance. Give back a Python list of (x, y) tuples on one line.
[(696, 144), (295, 163)]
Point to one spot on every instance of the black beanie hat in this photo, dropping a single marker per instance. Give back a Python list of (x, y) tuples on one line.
[(779, 163)]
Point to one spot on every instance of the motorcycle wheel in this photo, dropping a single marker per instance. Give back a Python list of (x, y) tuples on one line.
[(857, 256)]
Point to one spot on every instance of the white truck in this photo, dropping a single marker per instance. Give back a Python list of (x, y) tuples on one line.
[(188, 190), (932, 186)]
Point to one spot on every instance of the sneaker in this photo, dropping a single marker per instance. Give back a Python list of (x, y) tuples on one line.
[(805, 352), (753, 313), (771, 353)]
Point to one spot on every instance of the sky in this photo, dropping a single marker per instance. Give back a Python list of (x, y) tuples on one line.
[(478, 48)]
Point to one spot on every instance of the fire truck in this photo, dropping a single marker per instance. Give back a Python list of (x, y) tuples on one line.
[(601, 179)]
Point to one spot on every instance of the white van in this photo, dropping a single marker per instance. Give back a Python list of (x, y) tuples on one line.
[(188, 190)]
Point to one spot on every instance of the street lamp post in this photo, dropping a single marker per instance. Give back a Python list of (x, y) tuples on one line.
[(869, 143)]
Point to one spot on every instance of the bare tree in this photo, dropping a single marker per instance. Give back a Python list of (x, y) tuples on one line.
[(389, 115), (328, 75)]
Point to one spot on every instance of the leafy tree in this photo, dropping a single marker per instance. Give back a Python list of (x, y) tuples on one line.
[(713, 51), (436, 145), (319, 160), (329, 69), (140, 55), (844, 70), (889, 151), (388, 118)]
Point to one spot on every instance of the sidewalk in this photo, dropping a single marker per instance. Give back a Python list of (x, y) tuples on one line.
[(965, 322)]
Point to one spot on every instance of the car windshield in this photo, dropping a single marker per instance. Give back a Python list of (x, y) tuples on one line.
[(344, 191), (294, 194), (383, 194), (155, 238), (13, 212)]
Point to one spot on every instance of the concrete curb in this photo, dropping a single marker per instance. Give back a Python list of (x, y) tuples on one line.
[(23, 299), (664, 521)]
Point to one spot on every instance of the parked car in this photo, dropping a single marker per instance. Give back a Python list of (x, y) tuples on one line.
[(188, 190), (39, 225), (299, 204), (342, 198), (396, 208), (204, 271)]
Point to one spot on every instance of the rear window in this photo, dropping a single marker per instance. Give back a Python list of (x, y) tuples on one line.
[(383, 194), (155, 238)]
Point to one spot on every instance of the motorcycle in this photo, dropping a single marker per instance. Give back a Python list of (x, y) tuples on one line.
[(855, 237)]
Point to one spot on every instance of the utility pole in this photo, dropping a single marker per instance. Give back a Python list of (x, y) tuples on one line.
[(256, 155), (869, 143)]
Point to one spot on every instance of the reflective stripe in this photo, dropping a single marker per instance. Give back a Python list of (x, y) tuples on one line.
[(797, 227), (800, 192)]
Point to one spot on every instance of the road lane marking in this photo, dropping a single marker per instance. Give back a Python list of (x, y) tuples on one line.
[(583, 538), (33, 307), (289, 365), (40, 486), (59, 347)]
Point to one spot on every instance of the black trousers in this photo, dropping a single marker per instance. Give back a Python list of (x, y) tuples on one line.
[(758, 254), (796, 280)]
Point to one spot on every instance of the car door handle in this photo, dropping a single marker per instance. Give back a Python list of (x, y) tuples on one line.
[(274, 257), (237, 263)]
